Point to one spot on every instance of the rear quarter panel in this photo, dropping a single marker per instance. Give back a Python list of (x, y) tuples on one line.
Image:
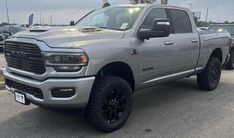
[(210, 42)]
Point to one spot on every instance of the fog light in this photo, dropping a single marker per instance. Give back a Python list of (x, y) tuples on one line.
[(63, 92), (67, 69)]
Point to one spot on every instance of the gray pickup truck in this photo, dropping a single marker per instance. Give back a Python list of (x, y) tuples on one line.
[(109, 54)]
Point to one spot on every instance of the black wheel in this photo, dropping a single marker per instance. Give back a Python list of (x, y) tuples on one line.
[(230, 63), (110, 104), (210, 77)]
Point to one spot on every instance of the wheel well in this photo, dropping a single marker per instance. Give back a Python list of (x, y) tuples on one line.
[(119, 69), (218, 54)]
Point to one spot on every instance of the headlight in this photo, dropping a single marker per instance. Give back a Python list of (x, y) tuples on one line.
[(66, 62)]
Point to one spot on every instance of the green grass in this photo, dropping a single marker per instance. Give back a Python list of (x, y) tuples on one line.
[(1, 79)]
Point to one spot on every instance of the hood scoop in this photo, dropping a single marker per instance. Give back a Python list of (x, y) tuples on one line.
[(89, 30)]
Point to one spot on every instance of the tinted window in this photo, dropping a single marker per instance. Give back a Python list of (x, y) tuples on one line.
[(181, 21), (153, 14)]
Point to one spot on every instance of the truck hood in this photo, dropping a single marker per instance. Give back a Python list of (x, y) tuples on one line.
[(71, 37)]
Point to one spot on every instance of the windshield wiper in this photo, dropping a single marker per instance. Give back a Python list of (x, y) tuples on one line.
[(102, 27)]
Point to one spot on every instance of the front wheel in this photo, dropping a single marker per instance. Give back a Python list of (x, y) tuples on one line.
[(110, 104), (210, 77)]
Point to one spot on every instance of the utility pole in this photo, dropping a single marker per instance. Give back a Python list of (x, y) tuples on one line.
[(43, 21), (40, 19), (8, 20), (207, 13), (51, 20)]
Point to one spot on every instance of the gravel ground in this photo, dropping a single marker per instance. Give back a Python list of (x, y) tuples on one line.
[(176, 109)]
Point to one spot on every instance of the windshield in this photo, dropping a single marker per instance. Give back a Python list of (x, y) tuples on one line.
[(222, 29), (114, 18)]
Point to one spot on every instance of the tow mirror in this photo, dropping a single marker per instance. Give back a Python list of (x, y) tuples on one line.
[(160, 28)]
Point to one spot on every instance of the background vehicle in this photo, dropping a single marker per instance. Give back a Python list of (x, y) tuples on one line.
[(228, 28), (11, 29), (202, 28), (7, 31), (107, 55), (2, 38)]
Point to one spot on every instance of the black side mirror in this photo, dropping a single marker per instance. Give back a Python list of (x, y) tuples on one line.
[(72, 23), (160, 28)]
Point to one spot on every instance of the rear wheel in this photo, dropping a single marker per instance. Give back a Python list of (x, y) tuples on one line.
[(110, 104), (230, 64), (210, 77)]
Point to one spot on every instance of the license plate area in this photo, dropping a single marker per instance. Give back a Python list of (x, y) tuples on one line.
[(20, 97)]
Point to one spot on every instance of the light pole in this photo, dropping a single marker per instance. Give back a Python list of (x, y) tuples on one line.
[(51, 20), (40, 19), (207, 13), (8, 20)]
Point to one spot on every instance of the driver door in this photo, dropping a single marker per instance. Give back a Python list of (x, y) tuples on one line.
[(155, 53)]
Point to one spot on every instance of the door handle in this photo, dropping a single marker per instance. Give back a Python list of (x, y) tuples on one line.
[(194, 41), (169, 43)]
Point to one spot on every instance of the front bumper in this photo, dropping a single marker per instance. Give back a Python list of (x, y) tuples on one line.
[(83, 87)]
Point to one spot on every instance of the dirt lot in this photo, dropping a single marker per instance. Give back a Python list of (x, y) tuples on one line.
[(176, 109)]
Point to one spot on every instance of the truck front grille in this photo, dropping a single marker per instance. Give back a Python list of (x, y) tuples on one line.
[(24, 88), (24, 56)]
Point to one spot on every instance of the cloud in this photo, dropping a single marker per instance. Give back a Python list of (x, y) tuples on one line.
[(65, 10)]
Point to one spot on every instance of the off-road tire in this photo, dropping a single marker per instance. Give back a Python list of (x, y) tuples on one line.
[(111, 97), (209, 79)]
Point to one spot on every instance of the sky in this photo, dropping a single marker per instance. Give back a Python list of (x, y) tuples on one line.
[(64, 11)]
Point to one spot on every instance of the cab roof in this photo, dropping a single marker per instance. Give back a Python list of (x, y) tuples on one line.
[(149, 6)]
